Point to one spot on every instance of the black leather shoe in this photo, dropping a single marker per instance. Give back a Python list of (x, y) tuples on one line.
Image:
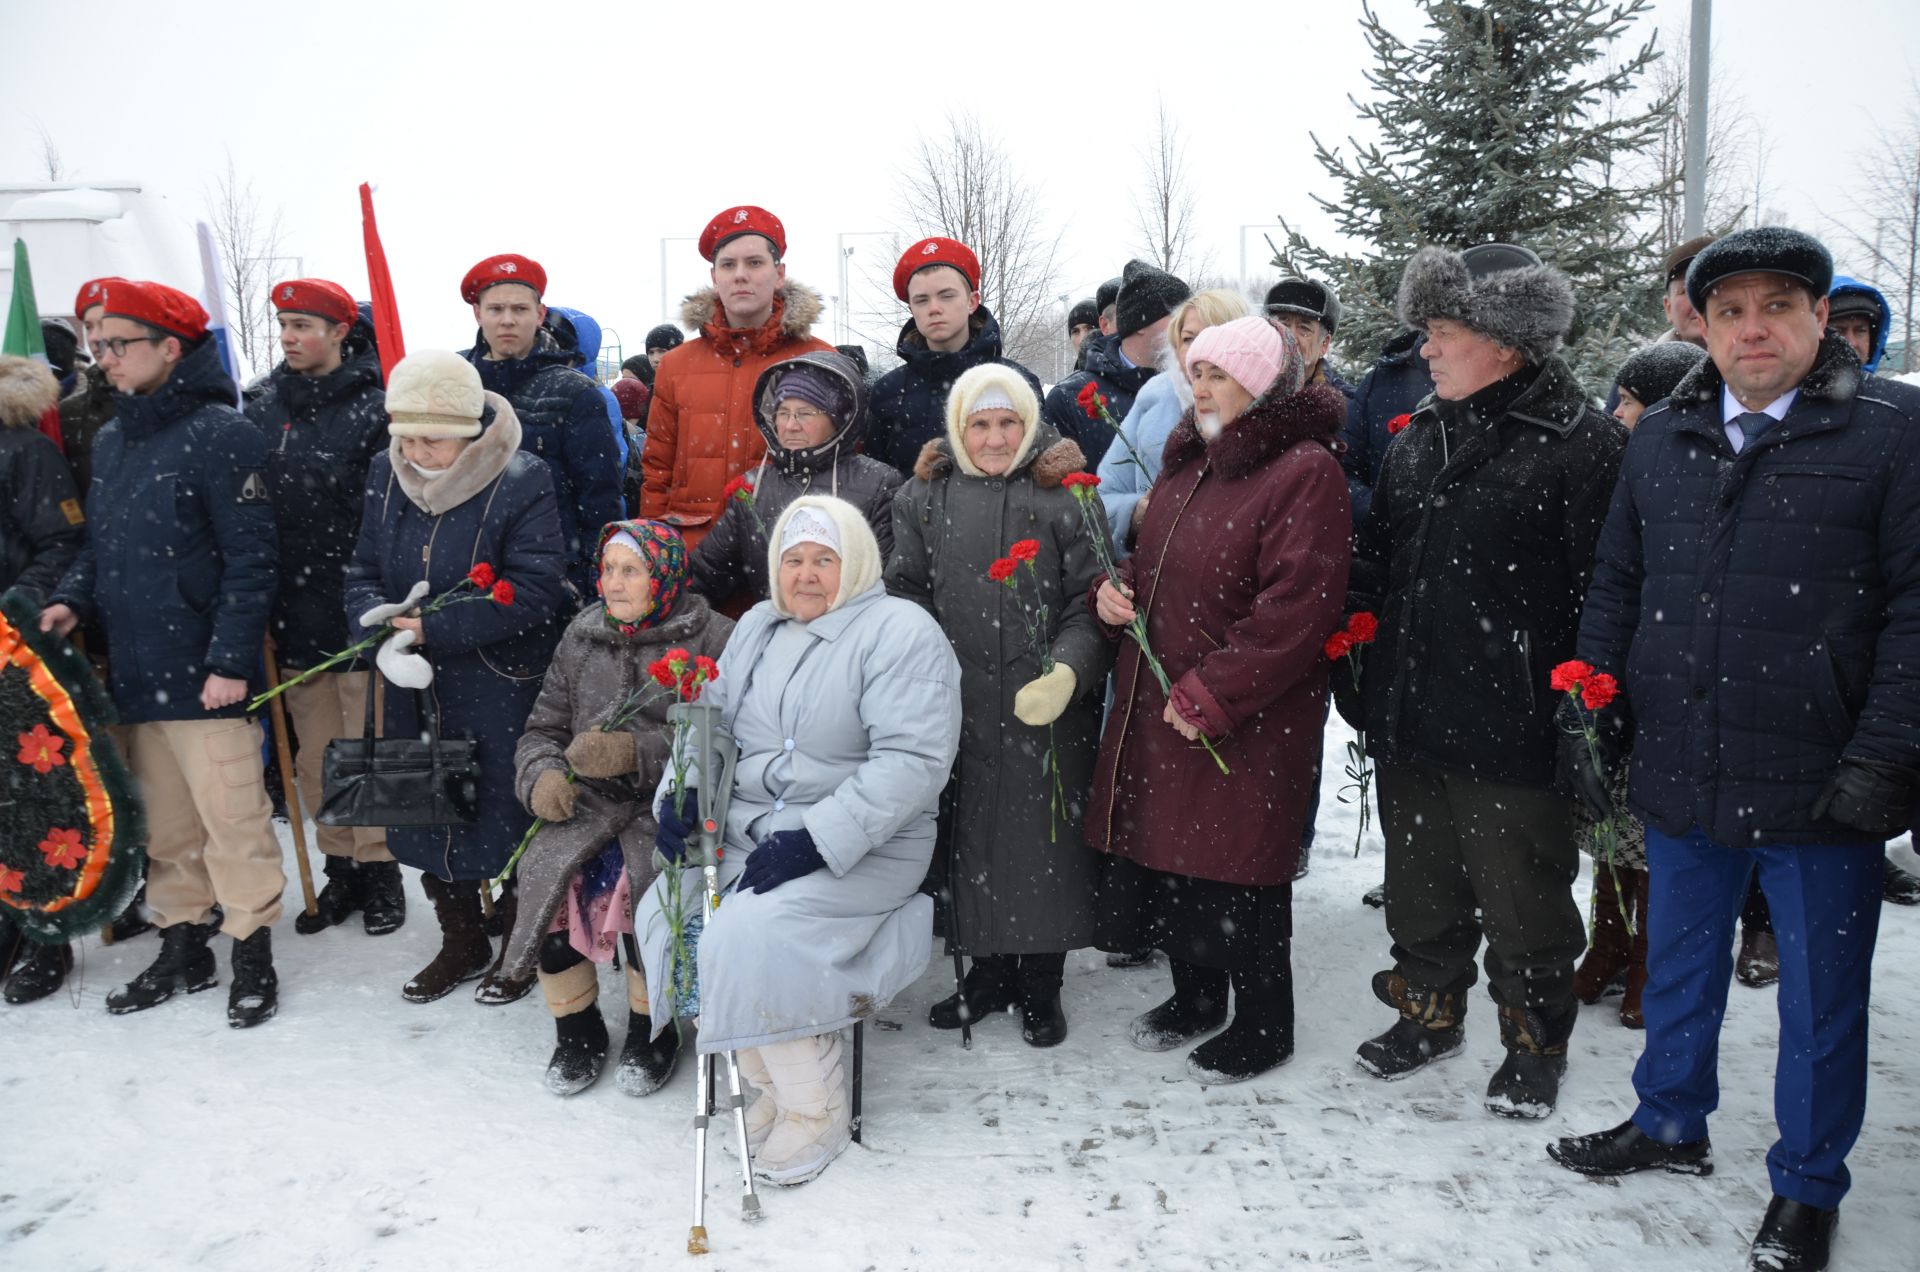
[(1794, 1237), (1626, 1149)]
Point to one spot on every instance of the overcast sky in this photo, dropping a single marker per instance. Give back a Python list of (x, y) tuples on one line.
[(581, 134)]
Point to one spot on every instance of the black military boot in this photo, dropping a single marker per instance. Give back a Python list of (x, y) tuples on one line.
[(133, 920), (185, 962), (383, 897), (1794, 1237), (255, 993), (1043, 1021), (1430, 1028), (989, 987), (337, 901), (43, 970), (1626, 1149), (1527, 1083)]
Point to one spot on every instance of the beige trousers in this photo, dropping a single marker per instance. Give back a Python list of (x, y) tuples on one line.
[(326, 707), (210, 837)]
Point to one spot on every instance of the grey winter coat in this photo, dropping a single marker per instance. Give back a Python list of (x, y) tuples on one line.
[(593, 672), (847, 727), (1023, 874)]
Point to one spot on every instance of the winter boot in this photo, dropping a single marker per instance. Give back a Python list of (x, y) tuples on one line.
[(1375, 896), (1261, 1035), (464, 949), (383, 897), (42, 971), (495, 988), (337, 901), (1198, 1006), (1759, 962), (812, 1123), (255, 993), (1429, 1029), (1131, 958), (1794, 1237), (133, 921), (762, 1110), (1638, 886), (1043, 1021), (1527, 1083), (571, 992), (1896, 885), (1608, 956), (646, 1062), (1626, 1149), (185, 962), (988, 988)]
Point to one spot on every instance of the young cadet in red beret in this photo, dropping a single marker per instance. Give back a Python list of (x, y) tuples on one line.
[(948, 334), (324, 415), (179, 570), (86, 410), (701, 432), (563, 414)]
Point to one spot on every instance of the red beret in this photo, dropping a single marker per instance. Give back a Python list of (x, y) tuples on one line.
[(157, 305), (315, 296), (503, 269), (91, 292), (746, 219), (929, 252)]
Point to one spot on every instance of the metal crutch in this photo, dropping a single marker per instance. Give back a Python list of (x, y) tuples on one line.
[(715, 757)]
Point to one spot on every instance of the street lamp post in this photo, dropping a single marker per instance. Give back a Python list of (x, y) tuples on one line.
[(845, 253)]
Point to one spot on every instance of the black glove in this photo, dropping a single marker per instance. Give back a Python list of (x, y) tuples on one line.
[(671, 840), (1871, 797), (781, 857), (1591, 781)]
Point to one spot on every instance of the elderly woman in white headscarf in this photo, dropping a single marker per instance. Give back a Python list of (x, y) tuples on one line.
[(845, 705)]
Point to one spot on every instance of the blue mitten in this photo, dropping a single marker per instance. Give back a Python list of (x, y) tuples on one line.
[(671, 840), (782, 856)]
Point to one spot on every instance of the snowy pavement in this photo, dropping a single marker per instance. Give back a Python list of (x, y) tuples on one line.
[(359, 1131)]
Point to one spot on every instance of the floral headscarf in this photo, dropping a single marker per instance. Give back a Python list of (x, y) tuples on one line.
[(666, 555)]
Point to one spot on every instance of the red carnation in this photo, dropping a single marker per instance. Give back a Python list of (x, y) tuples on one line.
[(63, 849), (1090, 400), (1338, 646), (1397, 423), (1363, 627), (481, 575), (1025, 550), (678, 660), (662, 674), (690, 687), (1570, 675), (1002, 570), (503, 592), (1599, 691), (739, 488), (41, 749), (707, 668), (1074, 480)]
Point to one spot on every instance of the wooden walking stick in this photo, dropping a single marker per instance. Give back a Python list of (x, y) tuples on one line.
[(283, 752)]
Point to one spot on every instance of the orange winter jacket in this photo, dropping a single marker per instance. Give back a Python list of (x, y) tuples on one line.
[(700, 428)]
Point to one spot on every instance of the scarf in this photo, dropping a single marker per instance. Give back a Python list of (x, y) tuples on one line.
[(666, 556)]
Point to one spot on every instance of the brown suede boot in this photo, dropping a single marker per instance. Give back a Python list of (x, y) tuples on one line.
[(464, 948), (1636, 883), (1610, 952), (496, 989)]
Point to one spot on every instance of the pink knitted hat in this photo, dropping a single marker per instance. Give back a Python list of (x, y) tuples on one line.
[(1261, 356)]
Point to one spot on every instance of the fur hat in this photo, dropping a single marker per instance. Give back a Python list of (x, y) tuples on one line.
[(1651, 373), (434, 393), (1003, 382), (1765, 249), (1529, 308), (27, 390), (859, 556), (1147, 294)]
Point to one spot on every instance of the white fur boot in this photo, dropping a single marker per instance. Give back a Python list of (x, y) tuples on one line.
[(761, 1109), (813, 1123)]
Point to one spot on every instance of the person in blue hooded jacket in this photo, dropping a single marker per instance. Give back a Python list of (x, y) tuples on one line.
[(563, 416), (179, 570), (579, 335), (949, 333), (1858, 314)]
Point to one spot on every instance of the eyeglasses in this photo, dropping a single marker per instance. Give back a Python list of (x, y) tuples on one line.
[(117, 345), (802, 418)]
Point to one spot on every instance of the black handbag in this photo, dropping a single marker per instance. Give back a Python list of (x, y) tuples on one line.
[(425, 781)]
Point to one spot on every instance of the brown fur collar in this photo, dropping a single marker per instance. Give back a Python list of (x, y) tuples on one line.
[(473, 470), (1266, 431), (1058, 457), (27, 390), (796, 307)]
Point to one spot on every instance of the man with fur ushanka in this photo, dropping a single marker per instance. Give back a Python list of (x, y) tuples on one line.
[(1475, 556), (701, 432), (563, 414), (948, 333), (1757, 594)]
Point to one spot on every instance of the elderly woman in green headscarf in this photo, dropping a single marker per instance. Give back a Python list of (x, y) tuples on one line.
[(596, 744)]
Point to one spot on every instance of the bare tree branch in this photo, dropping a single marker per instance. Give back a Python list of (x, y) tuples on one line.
[(1885, 227), (249, 238), (49, 154), (1163, 209)]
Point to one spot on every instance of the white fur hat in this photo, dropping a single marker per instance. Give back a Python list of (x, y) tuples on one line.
[(859, 557), (434, 393)]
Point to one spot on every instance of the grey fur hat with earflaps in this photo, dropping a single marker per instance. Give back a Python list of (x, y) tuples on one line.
[(1529, 308)]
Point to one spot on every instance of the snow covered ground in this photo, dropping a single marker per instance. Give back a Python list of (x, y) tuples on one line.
[(358, 1131)]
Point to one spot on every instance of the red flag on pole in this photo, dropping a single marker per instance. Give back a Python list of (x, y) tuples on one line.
[(386, 310)]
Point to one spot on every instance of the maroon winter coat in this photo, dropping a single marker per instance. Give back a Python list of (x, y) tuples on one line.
[(1241, 570)]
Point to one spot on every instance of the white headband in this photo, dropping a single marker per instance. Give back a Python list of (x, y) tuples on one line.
[(621, 539), (810, 525), (993, 397)]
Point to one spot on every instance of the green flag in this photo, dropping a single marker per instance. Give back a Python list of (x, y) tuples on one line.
[(23, 316)]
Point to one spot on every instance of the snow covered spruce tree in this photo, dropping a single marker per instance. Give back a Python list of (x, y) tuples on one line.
[(1510, 121)]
